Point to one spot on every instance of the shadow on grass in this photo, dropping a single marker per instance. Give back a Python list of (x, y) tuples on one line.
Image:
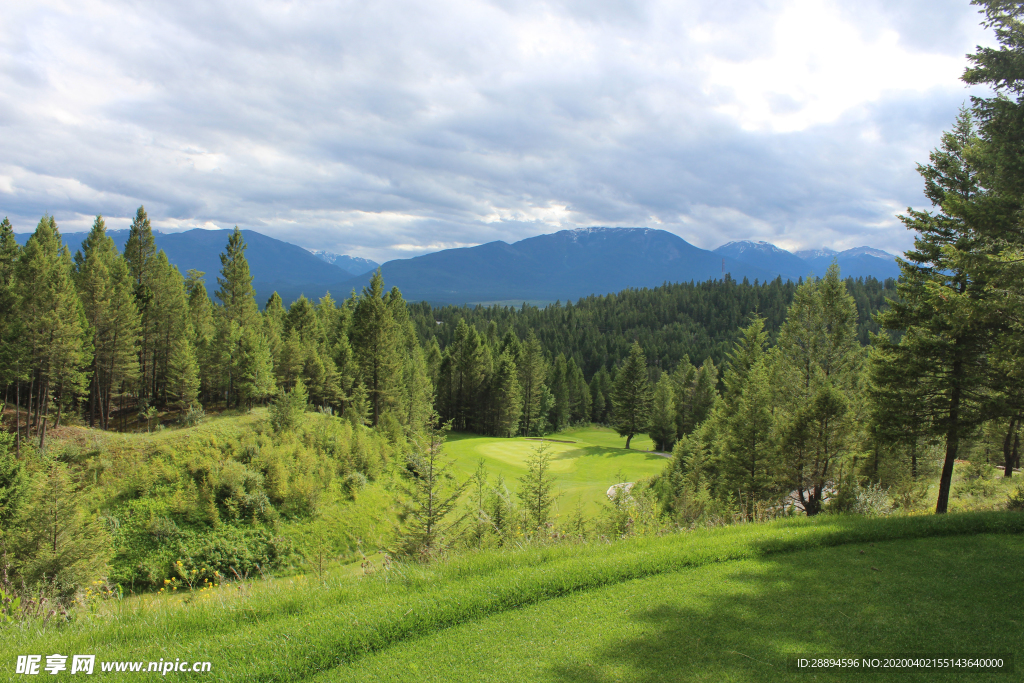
[(939, 597)]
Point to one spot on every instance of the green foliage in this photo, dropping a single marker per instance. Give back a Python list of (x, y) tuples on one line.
[(663, 414), (230, 552), (1015, 501), (433, 493), (631, 396), (535, 487), (287, 411), (60, 542), (14, 485)]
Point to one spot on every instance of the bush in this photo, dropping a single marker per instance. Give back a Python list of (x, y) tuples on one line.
[(1015, 501), (193, 416), (976, 480), (230, 552)]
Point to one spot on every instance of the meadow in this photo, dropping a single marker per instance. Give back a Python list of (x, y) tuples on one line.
[(584, 462), (720, 604)]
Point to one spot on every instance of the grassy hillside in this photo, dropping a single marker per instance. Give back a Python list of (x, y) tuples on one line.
[(636, 609), (742, 621), (584, 462)]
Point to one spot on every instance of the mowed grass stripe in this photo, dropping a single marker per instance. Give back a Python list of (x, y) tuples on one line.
[(739, 621), (291, 634)]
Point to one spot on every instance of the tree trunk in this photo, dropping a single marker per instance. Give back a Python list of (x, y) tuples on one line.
[(28, 412), (952, 443), (17, 420), (1007, 450), (45, 408), (629, 437)]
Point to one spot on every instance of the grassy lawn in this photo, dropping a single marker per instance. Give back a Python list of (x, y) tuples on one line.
[(583, 470), (641, 609), (738, 621)]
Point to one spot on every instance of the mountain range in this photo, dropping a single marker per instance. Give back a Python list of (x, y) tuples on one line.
[(565, 265), (576, 263), (856, 262)]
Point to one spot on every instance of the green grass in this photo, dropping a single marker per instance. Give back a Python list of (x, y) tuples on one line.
[(582, 470), (740, 621), (293, 629)]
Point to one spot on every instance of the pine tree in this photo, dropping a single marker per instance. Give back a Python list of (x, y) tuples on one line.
[(183, 374), (631, 396), (944, 315), (507, 398), (53, 322), (60, 543), (204, 330), (816, 378), (140, 255), (236, 292), (375, 345), (532, 371), (663, 414), (434, 494), (13, 350), (239, 313), (107, 295), (255, 369), (535, 487), (745, 435)]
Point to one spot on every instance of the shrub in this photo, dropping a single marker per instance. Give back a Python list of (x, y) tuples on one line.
[(976, 480), (1015, 501), (231, 552), (192, 416)]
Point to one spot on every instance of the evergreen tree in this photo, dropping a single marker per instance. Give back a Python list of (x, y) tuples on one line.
[(60, 542), (107, 295), (532, 371), (375, 346), (663, 414), (507, 399), (204, 330), (631, 396), (816, 378), (239, 313), (558, 382), (535, 487), (140, 255), (236, 292), (14, 484), (183, 374), (434, 494), (53, 324), (13, 348), (944, 315), (745, 435), (255, 369)]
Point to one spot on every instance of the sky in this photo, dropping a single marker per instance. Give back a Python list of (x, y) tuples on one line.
[(388, 129)]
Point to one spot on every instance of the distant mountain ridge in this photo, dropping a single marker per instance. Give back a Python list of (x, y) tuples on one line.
[(569, 264), (353, 264), (856, 262)]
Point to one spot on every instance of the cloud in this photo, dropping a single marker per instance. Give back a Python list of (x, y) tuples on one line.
[(387, 129)]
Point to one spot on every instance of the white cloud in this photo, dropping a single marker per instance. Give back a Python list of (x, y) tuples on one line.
[(386, 129)]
